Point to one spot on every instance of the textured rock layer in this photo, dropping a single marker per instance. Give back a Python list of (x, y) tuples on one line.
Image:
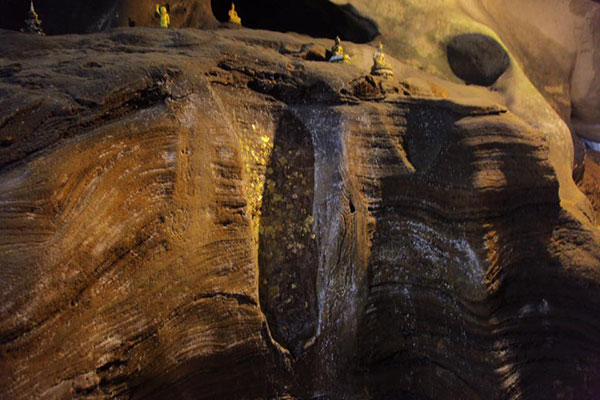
[(191, 214)]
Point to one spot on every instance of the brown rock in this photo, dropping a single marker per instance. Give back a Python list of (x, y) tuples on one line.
[(590, 183), (160, 191)]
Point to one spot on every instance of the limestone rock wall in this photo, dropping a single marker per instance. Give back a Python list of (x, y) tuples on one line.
[(193, 214)]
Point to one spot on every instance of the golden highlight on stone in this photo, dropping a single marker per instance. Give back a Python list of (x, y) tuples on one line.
[(380, 68), (337, 52), (233, 16)]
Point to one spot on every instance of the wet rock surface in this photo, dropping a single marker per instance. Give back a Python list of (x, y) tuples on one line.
[(198, 214)]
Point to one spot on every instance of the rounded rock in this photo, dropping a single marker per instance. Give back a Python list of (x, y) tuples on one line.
[(476, 58)]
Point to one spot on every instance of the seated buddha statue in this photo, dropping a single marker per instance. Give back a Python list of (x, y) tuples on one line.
[(337, 52), (380, 67), (233, 16)]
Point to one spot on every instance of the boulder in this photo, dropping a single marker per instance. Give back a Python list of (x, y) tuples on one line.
[(477, 59)]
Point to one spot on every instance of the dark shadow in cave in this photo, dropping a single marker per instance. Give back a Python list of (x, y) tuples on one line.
[(287, 252), (317, 18)]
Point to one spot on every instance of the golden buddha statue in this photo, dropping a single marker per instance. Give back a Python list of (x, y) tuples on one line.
[(337, 52), (380, 67), (163, 13), (233, 16)]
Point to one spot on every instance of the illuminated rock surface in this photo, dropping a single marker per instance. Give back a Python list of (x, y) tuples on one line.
[(206, 214)]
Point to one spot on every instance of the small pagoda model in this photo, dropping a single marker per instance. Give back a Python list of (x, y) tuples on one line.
[(33, 23)]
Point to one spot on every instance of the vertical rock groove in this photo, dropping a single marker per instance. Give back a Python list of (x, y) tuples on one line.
[(287, 253)]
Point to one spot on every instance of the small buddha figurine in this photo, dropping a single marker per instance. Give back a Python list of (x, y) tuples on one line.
[(233, 16), (163, 13), (380, 67), (33, 24), (337, 52)]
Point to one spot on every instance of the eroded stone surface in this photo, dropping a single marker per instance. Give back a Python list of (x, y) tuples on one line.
[(150, 250)]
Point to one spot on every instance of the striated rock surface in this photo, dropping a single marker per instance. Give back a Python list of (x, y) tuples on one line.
[(206, 214)]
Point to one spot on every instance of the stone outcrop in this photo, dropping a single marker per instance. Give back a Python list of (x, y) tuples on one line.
[(555, 41), (191, 214)]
